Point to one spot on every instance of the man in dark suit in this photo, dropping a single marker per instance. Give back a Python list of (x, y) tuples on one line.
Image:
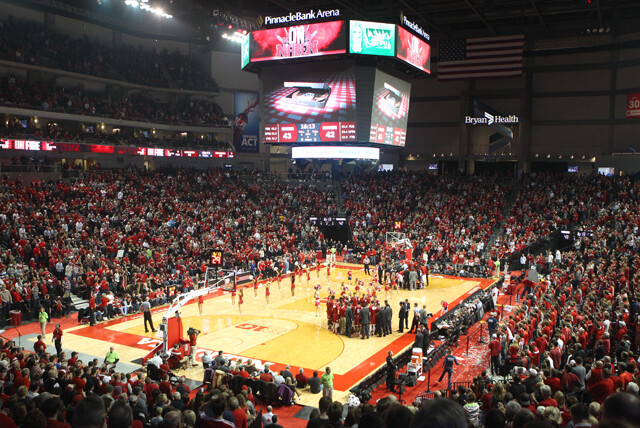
[(391, 372), (365, 319), (401, 315), (387, 318), (348, 315)]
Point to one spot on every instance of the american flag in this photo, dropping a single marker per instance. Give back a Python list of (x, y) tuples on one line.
[(486, 57)]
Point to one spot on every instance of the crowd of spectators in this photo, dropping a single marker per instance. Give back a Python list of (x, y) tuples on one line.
[(33, 43), (570, 347), (450, 218), (15, 91), (546, 202), (64, 237)]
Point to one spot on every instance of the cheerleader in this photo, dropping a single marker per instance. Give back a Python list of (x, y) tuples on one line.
[(279, 276), (233, 297), (350, 275), (267, 292), (255, 287), (308, 270), (293, 285), (316, 297), (318, 271), (240, 300), (387, 287), (344, 289), (201, 301)]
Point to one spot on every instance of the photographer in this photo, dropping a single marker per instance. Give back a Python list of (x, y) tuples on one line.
[(111, 359)]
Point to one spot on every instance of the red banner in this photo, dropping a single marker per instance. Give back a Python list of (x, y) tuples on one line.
[(325, 38), (633, 105)]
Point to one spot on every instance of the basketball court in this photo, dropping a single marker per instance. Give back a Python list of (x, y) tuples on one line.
[(287, 331)]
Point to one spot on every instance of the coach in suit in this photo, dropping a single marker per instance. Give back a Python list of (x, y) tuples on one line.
[(348, 315), (365, 319), (401, 314), (388, 313)]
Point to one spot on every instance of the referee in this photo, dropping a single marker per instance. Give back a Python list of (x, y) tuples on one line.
[(145, 307)]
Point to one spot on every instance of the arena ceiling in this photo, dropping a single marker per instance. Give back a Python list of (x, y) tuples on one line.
[(441, 18)]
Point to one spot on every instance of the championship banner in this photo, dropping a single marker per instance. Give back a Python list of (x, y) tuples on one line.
[(633, 105), (246, 126)]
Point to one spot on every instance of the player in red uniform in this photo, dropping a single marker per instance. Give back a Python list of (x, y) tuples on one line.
[(293, 286), (350, 275)]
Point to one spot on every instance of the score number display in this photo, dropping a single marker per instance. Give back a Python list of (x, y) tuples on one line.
[(302, 106)]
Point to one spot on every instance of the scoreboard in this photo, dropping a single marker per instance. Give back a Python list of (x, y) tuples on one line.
[(217, 258), (310, 132), (306, 100)]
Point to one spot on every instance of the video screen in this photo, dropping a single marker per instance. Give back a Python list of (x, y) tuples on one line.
[(324, 38), (390, 110), (607, 171), (413, 50), (372, 38), (303, 106), (572, 168), (433, 167), (385, 167), (245, 56), (335, 152)]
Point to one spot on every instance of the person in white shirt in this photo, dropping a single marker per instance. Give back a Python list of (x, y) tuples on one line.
[(267, 418), (156, 360)]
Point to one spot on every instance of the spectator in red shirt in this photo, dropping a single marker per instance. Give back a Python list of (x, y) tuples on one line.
[(547, 400), (301, 379), (40, 347), (239, 415), (552, 379), (603, 388)]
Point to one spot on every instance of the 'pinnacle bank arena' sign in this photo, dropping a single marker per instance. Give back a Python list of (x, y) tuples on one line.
[(490, 119), (301, 16), (414, 27)]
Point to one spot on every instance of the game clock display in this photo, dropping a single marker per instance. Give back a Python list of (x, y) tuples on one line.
[(310, 132), (216, 258)]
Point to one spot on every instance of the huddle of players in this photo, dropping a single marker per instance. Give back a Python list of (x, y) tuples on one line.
[(359, 315)]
